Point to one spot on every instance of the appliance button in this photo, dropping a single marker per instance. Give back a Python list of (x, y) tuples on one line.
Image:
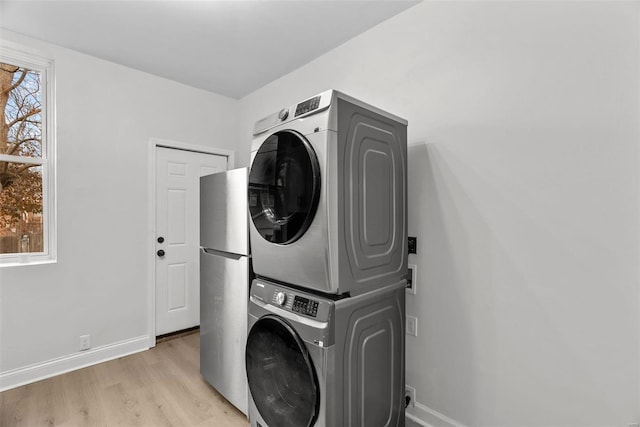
[(283, 114), (281, 298)]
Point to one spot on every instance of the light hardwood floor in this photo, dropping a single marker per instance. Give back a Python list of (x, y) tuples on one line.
[(158, 387)]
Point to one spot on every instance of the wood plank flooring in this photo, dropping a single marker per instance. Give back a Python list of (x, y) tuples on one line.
[(158, 387)]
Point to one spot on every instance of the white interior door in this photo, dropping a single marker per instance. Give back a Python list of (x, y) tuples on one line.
[(178, 175)]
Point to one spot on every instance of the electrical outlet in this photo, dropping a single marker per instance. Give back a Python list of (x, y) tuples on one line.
[(410, 392), (85, 342), (412, 279), (412, 326), (413, 245)]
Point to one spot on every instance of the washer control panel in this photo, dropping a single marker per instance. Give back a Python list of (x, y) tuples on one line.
[(305, 306), (292, 300)]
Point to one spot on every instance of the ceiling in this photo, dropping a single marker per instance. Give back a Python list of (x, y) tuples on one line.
[(228, 47)]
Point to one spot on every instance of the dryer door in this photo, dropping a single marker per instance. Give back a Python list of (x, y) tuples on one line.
[(281, 376), (284, 187)]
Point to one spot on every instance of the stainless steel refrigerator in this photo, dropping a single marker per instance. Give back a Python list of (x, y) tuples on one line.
[(225, 274)]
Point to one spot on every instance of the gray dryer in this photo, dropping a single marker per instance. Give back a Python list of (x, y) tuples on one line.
[(328, 195)]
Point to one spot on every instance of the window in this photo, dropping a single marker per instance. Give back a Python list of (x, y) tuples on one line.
[(27, 161)]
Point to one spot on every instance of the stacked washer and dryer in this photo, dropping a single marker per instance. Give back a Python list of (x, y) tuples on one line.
[(328, 231)]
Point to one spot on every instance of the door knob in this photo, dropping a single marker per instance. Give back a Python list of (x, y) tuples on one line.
[(160, 252)]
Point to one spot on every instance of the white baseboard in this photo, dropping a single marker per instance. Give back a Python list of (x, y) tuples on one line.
[(50, 368), (427, 417)]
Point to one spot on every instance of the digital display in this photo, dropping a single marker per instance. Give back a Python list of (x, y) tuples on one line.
[(306, 106), (305, 306)]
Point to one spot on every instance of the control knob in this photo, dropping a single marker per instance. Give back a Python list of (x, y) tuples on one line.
[(281, 298), (283, 114)]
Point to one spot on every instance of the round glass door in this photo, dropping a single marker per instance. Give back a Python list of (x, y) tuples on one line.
[(284, 187), (281, 377)]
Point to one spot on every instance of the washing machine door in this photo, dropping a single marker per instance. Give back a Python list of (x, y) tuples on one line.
[(281, 376), (284, 187)]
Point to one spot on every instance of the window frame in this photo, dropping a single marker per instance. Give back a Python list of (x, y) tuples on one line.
[(23, 57)]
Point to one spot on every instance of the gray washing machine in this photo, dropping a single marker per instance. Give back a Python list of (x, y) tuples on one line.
[(325, 361), (328, 195)]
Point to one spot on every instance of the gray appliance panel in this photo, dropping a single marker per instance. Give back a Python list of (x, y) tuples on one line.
[(223, 211), (372, 198), (224, 287), (370, 372)]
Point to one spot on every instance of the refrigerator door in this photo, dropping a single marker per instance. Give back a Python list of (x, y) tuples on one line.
[(223, 211), (224, 290)]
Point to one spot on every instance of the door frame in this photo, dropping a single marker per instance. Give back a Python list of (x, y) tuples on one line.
[(154, 143)]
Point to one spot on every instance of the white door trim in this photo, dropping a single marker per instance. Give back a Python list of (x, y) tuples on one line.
[(151, 214)]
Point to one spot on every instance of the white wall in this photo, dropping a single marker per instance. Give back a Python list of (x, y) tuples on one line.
[(106, 115), (523, 185)]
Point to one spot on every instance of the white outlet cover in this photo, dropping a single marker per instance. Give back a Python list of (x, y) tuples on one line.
[(414, 275), (410, 391), (412, 326), (85, 342)]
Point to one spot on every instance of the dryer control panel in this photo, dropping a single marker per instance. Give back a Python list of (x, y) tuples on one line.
[(308, 105), (293, 112)]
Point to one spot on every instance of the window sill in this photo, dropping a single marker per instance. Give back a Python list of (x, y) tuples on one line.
[(27, 262)]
